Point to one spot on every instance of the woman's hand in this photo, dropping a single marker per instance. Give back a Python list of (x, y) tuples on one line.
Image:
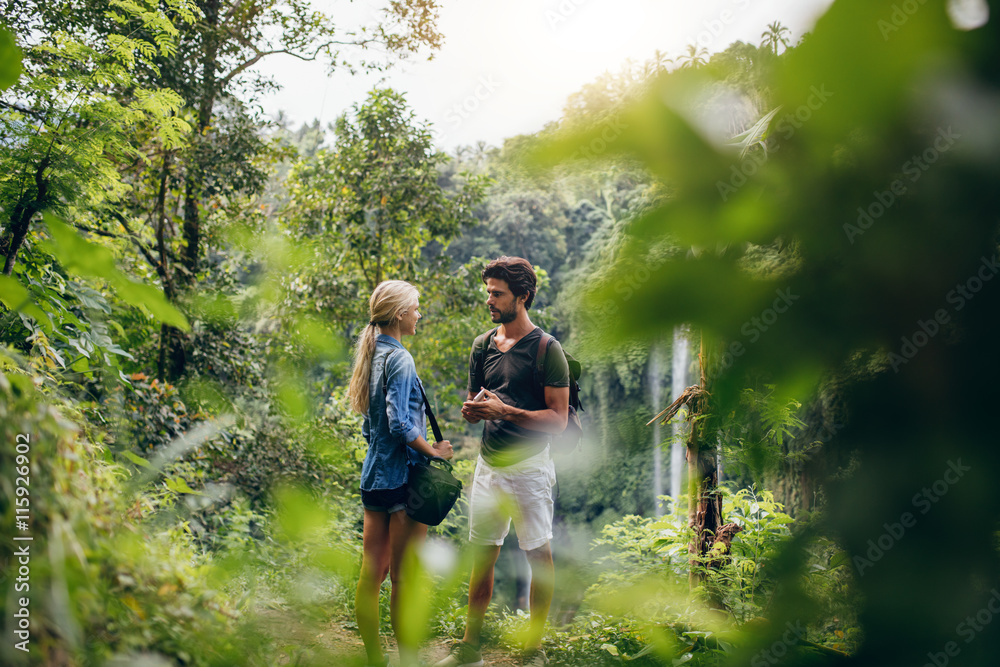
[(467, 413), (443, 449)]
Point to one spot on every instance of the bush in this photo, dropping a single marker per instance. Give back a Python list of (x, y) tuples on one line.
[(97, 585)]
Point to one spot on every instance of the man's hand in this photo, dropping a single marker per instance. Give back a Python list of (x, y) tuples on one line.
[(491, 407), (443, 449), (469, 417)]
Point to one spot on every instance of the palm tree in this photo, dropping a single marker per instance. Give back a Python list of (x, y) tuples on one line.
[(659, 61), (695, 57), (775, 35)]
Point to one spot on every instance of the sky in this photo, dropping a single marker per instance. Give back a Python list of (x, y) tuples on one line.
[(507, 68)]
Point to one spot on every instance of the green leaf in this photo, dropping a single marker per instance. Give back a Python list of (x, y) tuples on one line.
[(610, 648), (180, 485), (756, 135), (135, 458), (10, 59), (839, 559), (14, 296), (79, 256), (154, 300)]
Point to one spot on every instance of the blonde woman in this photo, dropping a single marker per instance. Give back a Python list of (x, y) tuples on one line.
[(386, 390)]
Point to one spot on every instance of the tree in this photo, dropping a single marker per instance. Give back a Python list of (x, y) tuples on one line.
[(696, 56), (373, 201), (68, 121), (775, 36), (213, 70), (658, 63), (68, 124)]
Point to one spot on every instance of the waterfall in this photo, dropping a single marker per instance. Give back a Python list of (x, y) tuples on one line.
[(681, 361), (655, 380)]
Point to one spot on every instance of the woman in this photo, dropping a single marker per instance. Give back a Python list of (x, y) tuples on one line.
[(386, 390)]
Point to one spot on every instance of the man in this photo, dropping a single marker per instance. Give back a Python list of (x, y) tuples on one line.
[(514, 475)]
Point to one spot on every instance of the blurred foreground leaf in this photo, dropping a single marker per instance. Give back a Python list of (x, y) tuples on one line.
[(79, 256)]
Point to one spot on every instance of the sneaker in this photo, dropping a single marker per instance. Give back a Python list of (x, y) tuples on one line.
[(534, 658), (462, 655)]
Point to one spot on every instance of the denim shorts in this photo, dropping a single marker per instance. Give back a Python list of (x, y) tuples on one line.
[(385, 500)]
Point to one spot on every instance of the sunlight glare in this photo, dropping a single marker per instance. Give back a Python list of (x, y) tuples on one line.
[(595, 26), (968, 14)]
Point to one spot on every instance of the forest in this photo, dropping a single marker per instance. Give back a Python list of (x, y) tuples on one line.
[(774, 262)]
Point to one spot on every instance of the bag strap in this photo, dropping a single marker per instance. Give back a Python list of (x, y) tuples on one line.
[(543, 348), (427, 404), (430, 415), (481, 344)]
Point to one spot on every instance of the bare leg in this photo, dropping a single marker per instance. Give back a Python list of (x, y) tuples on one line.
[(480, 591), (404, 535), (374, 568), (543, 584)]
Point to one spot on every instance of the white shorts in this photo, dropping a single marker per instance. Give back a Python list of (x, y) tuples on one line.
[(522, 492)]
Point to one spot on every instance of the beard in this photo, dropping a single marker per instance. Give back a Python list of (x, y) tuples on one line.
[(503, 316)]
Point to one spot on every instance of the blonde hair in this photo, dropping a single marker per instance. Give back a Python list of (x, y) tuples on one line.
[(390, 299)]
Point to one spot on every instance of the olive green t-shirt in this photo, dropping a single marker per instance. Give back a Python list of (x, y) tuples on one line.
[(511, 376)]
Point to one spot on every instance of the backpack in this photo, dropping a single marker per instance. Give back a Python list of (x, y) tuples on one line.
[(565, 442)]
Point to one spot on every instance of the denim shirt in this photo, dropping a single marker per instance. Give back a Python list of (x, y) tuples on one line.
[(395, 417)]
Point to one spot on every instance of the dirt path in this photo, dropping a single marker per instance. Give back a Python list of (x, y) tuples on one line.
[(336, 643), (340, 639)]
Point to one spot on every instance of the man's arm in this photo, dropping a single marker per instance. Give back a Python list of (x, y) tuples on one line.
[(551, 420)]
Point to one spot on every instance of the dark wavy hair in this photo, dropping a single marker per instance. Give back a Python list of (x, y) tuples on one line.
[(518, 274)]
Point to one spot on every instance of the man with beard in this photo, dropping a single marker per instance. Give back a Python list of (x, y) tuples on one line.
[(522, 406)]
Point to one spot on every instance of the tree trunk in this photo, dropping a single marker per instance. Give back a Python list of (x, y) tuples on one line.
[(20, 222), (174, 342), (205, 104), (704, 501), (192, 224), (20, 219), (171, 340)]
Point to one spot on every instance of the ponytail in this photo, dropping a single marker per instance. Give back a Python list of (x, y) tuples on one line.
[(362, 375), (389, 299)]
